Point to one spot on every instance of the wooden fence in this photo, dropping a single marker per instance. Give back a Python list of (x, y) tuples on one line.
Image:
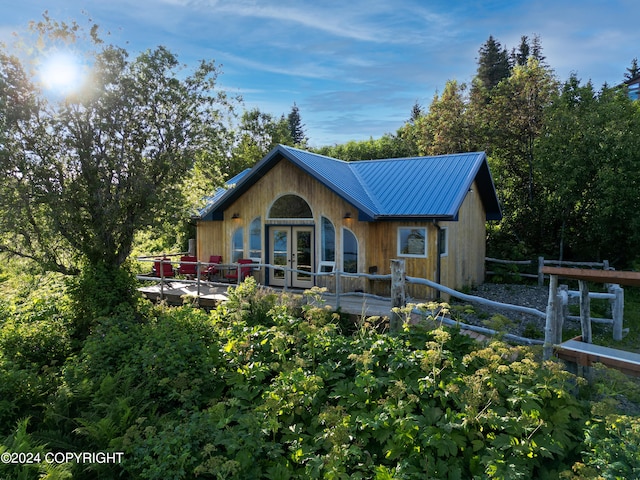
[(541, 263)]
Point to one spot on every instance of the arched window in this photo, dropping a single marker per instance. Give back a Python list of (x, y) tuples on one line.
[(349, 251), (237, 245), (255, 240), (290, 206)]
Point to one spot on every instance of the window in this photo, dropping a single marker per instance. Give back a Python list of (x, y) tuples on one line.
[(443, 238), (237, 245), (255, 240), (412, 242), (349, 251), (328, 235), (290, 206)]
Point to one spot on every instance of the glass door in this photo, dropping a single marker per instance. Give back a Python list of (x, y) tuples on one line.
[(280, 252), (292, 248), (302, 258)]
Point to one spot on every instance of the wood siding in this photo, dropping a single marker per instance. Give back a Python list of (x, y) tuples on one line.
[(377, 241)]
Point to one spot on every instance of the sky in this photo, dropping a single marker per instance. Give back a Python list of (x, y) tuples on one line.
[(354, 68)]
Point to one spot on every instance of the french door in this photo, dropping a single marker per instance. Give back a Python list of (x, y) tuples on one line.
[(292, 248)]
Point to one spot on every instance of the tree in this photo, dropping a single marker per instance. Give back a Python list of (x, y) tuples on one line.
[(387, 146), (513, 120), (445, 128), (256, 135), (81, 175), (296, 127), (493, 64), (633, 71), (522, 55), (589, 159)]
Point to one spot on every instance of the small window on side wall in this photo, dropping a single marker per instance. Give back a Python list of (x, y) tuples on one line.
[(412, 242), (349, 251), (443, 241)]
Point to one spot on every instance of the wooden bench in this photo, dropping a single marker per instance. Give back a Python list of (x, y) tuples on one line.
[(586, 354)]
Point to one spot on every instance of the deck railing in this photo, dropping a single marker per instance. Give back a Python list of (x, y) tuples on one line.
[(397, 297)]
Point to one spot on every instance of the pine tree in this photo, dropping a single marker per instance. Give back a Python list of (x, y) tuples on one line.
[(296, 127)]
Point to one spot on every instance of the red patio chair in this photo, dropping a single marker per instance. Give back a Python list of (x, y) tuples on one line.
[(162, 268), (190, 269), (212, 270), (244, 271)]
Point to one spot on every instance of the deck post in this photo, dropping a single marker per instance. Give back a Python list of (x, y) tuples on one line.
[(552, 313), (585, 311), (617, 311), (398, 297), (338, 288)]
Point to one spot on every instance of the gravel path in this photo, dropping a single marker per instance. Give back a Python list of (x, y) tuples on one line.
[(515, 323)]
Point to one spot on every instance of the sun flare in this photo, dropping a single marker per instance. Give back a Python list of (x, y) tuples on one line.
[(61, 72)]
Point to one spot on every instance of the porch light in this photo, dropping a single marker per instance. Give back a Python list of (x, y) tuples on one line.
[(347, 216), (235, 216)]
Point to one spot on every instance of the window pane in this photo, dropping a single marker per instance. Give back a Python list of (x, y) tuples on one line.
[(443, 241), (349, 252), (412, 242), (237, 246), (255, 239), (290, 206), (328, 241)]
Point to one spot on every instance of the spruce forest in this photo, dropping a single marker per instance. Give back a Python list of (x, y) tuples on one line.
[(275, 385)]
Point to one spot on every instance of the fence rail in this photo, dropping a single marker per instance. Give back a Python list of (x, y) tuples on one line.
[(397, 296), (541, 262)]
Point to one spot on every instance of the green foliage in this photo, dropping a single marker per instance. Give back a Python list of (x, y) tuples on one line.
[(269, 386), (81, 174), (20, 442), (387, 146)]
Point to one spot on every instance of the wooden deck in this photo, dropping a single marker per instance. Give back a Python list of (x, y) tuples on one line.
[(176, 292)]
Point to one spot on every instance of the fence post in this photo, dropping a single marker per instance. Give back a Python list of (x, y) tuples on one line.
[(617, 311), (585, 311), (540, 274), (551, 323), (398, 297)]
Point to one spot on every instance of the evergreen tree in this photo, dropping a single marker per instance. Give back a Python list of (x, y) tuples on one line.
[(416, 113), (493, 64), (296, 127), (521, 56), (633, 71)]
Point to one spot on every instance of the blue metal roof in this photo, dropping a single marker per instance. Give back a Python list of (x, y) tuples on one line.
[(409, 188)]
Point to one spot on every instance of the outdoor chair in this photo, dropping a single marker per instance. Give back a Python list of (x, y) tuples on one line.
[(212, 270), (244, 270), (190, 269), (162, 267)]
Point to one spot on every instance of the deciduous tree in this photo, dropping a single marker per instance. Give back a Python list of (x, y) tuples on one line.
[(81, 174)]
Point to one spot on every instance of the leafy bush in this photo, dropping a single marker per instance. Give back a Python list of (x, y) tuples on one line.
[(186, 394)]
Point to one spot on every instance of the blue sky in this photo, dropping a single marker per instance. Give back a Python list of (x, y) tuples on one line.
[(356, 67)]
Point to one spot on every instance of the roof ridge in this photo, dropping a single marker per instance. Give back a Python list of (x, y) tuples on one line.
[(365, 186)]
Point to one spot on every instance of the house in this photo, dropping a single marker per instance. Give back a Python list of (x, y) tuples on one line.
[(314, 213)]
